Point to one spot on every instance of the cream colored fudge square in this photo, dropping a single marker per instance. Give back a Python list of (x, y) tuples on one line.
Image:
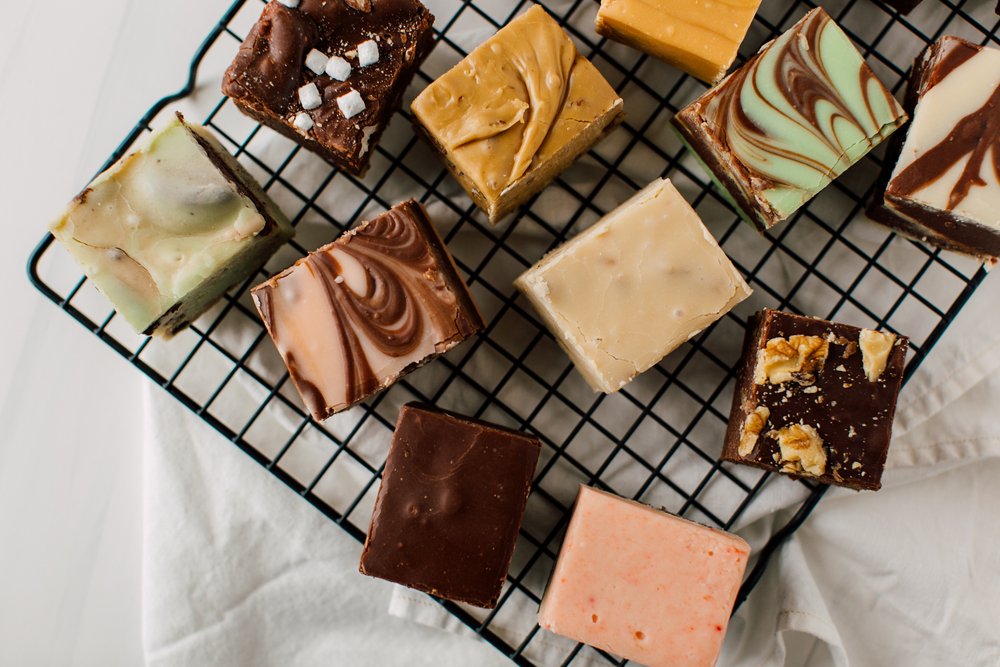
[(643, 584), (629, 290)]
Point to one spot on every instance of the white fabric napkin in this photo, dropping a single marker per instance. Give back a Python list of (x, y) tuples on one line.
[(238, 571)]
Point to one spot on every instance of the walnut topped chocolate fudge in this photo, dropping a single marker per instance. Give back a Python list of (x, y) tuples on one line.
[(816, 399), (330, 73)]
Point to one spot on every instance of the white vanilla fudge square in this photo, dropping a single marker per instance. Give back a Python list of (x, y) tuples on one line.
[(629, 290)]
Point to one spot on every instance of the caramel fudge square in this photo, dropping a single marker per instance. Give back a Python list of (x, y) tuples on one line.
[(816, 399), (449, 509), (629, 290), (643, 584), (329, 74), (354, 316), (516, 112)]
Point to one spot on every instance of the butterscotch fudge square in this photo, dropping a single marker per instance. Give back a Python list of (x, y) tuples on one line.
[(643, 584), (329, 74), (778, 130), (450, 505), (516, 112), (696, 37), (356, 315), (816, 399), (943, 176), (166, 230), (633, 287)]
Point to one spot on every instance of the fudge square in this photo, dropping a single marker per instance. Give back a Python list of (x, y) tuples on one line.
[(643, 584), (516, 112), (944, 174), (354, 316), (450, 505), (166, 230), (329, 74), (778, 130), (633, 287), (816, 399), (699, 38)]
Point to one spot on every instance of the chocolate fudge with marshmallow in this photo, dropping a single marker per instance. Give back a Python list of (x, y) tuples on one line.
[(329, 74)]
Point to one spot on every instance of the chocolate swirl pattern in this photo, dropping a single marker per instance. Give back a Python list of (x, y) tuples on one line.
[(355, 315), (946, 183), (781, 128)]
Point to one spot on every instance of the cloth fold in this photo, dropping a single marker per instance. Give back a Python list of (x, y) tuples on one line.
[(239, 571)]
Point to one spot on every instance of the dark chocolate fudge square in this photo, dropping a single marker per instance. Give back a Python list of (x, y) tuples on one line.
[(329, 74), (450, 506), (816, 399)]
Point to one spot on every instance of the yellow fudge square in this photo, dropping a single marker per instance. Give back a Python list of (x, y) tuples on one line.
[(700, 37)]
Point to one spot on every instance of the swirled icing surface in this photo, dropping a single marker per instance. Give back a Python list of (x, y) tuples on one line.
[(514, 102), (950, 160), (353, 316), (792, 119)]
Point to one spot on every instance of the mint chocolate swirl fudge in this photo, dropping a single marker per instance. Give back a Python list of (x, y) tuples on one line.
[(777, 131)]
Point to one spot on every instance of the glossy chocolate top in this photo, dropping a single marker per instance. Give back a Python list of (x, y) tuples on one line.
[(450, 506), (271, 65), (830, 393), (353, 316)]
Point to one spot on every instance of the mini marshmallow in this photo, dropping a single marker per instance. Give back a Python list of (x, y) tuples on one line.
[(351, 104), (338, 68), (303, 121), (367, 53), (290, 3), (316, 61), (309, 96)]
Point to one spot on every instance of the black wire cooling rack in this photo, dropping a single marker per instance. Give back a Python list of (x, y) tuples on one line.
[(658, 440)]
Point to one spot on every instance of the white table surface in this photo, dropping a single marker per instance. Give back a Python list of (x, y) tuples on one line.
[(73, 82)]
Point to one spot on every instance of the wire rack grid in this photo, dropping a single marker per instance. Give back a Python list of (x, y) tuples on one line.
[(657, 440)]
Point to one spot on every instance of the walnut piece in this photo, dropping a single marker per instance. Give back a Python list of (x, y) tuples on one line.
[(360, 5), (875, 347), (797, 358), (752, 426), (802, 450)]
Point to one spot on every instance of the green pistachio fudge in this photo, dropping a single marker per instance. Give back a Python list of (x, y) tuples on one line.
[(166, 230), (793, 118)]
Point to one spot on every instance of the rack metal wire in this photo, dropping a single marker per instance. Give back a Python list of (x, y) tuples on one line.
[(657, 440)]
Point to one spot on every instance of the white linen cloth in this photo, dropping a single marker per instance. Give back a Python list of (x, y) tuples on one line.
[(238, 571)]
